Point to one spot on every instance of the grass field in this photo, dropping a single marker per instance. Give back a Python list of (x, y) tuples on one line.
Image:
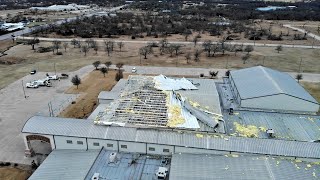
[(10, 173), (313, 89), (26, 59)]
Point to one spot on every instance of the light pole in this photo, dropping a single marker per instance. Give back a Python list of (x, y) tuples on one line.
[(24, 92), (54, 66), (300, 64)]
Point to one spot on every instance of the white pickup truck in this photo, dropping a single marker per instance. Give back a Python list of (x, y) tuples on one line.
[(53, 77), (32, 85), (43, 82)]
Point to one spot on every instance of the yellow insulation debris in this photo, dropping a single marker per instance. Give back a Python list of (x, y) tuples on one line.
[(235, 155), (246, 131), (309, 165), (263, 129), (314, 174), (298, 161), (199, 135), (194, 104), (175, 116)]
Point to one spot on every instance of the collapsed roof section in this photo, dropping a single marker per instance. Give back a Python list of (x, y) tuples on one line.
[(156, 102)]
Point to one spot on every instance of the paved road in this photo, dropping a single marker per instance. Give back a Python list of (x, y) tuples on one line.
[(177, 42), (303, 31), (29, 30)]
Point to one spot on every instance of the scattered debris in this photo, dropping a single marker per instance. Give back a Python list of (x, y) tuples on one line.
[(246, 131)]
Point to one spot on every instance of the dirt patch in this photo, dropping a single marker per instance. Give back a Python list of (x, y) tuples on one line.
[(5, 45), (89, 89), (10, 173), (11, 60)]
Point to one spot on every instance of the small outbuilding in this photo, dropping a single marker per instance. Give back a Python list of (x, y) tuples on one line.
[(264, 88)]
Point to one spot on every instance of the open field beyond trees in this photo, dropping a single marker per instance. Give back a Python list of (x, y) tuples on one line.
[(23, 59)]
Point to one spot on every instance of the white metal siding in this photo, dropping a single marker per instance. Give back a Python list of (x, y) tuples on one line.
[(102, 143), (61, 142), (159, 149), (197, 151), (133, 147), (280, 102)]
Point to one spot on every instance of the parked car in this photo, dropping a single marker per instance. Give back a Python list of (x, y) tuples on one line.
[(64, 76), (53, 77), (33, 72), (32, 85), (134, 70)]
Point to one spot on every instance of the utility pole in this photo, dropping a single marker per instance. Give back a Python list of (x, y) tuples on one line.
[(263, 60), (140, 58), (24, 92), (227, 62), (54, 66), (300, 64)]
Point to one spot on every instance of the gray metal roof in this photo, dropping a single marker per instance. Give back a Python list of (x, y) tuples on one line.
[(205, 167), (261, 81), (286, 126), (143, 168), (108, 95), (66, 164), (86, 128), (207, 94), (119, 86)]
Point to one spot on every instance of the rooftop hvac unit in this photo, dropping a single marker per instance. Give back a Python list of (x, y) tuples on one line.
[(113, 157), (95, 176), (270, 132)]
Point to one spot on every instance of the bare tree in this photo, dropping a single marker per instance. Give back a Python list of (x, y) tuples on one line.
[(195, 40), (56, 45), (279, 48), (104, 71), (85, 49), (245, 58), (120, 45), (74, 42), (96, 64), (197, 54), (188, 57), (76, 81), (144, 51), (119, 66), (95, 46), (248, 49), (65, 45), (299, 77), (108, 64), (177, 48), (170, 50), (109, 46), (207, 46)]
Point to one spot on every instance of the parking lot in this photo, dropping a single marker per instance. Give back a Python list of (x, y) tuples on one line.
[(15, 110)]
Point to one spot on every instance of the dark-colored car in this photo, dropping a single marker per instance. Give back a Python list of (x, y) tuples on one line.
[(33, 72)]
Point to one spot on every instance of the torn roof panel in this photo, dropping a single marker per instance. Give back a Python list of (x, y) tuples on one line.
[(166, 84)]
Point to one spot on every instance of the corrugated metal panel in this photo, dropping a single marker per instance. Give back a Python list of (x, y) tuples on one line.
[(108, 95), (66, 164), (286, 126), (84, 128), (261, 81), (203, 167), (119, 86)]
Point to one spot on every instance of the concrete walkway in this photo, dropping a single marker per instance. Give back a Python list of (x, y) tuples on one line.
[(303, 31)]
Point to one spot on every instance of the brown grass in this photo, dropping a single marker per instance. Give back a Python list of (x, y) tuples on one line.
[(73, 59), (313, 89), (9, 173), (89, 89)]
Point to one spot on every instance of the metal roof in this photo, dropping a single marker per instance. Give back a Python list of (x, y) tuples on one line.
[(286, 126), (203, 167), (86, 128), (66, 164), (108, 95), (261, 81), (144, 167)]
